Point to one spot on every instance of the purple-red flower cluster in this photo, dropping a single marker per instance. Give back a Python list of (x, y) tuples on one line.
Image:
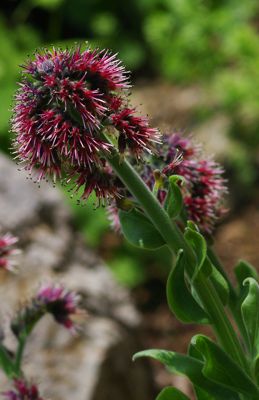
[(7, 251), (22, 391), (204, 185), (53, 299), (60, 303), (66, 100), (135, 132), (203, 193)]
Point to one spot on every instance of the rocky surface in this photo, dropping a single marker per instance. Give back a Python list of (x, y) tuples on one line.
[(97, 363)]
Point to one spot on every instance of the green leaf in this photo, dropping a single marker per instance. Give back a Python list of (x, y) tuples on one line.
[(202, 394), (192, 368), (180, 300), (139, 231), (198, 244), (171, 393), (191, 225), (204, 265), (174, 200), (256, 369), (193, 352), (244, 270), (250, 313), (221, 369), (6, 362), (220, 285)]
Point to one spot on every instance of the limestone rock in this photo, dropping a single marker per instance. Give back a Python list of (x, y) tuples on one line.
[(97, 363)]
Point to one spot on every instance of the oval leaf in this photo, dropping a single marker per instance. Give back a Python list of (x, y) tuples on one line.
[(198, 244), (180, 299), (220, 284), (191, 225), (256, 369), (202, 394), (244, 270), (220, 368), (190, 367), (250, 313), (139, 231), (174, 200), (170, 393), (5, 361)]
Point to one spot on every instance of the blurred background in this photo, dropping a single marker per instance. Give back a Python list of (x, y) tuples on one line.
[(195, 67)]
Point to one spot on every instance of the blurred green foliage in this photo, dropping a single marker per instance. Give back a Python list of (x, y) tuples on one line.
[(212, 43)]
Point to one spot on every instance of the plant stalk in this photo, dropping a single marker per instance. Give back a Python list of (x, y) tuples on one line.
[(19, 354), (232, 296), (175, 241)]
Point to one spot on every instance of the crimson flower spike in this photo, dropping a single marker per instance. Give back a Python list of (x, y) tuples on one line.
[(67, 100), (204, 186)]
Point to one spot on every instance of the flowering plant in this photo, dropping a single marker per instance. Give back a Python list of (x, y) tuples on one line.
[(53, 299), (74, 123)]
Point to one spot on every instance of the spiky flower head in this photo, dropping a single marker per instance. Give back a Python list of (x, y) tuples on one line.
[(204, 185), (61, 303), (67, 98), (101, 180), (135, 132), (7, 251), (22, 391)]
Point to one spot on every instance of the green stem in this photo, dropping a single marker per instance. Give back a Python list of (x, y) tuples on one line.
[(152, 208), (6, 362), (175, 241), (216, 262), (233, 300), (19, 355)]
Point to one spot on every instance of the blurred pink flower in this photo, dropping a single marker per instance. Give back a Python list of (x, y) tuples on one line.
[(51, 298), (61, 303), (22, 391), (8, 251)]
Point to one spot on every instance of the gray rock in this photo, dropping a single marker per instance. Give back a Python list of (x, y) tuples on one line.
[(96, 364)]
